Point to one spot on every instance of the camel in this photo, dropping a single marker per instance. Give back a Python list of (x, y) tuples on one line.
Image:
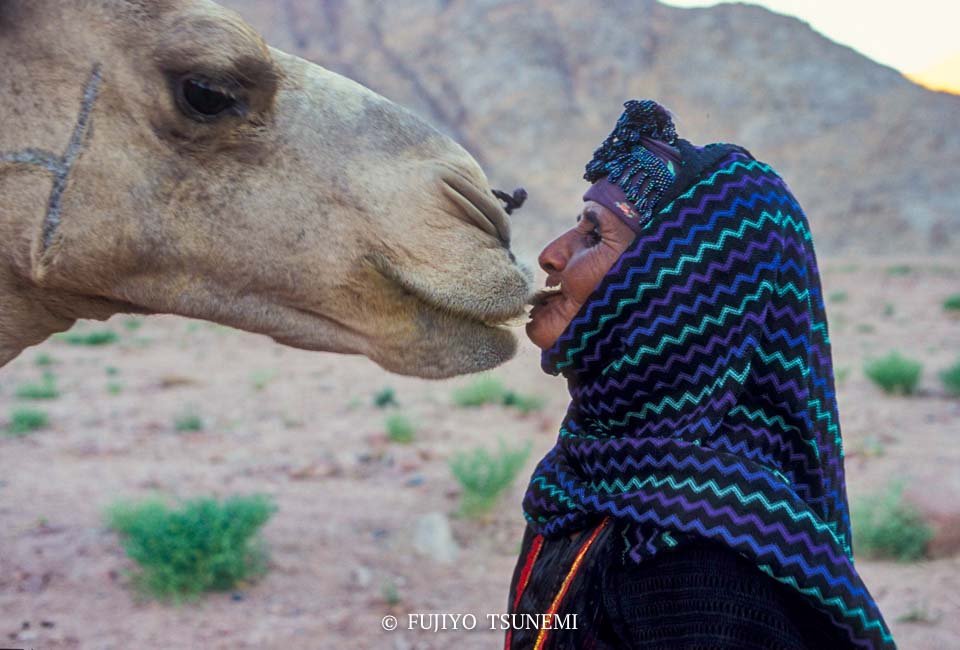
[(156, 156)]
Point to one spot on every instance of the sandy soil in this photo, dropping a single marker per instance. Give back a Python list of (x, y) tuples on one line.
[(300, 426)]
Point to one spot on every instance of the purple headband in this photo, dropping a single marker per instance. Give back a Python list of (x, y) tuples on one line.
[(615, 200)]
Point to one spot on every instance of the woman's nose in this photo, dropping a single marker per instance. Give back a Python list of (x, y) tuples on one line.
[(553, 258)]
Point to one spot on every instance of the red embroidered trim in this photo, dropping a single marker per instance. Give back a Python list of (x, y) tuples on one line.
[(532, 555), (574, 567)]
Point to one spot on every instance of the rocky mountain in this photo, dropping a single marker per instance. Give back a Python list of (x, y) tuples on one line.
[(531, 87)]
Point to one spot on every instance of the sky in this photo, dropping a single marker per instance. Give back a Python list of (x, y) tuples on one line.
[(909, 35)]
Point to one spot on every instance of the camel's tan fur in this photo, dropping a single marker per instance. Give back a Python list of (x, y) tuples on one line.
[(325, 216)]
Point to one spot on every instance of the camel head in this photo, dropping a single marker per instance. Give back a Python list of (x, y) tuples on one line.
[(157, 157)]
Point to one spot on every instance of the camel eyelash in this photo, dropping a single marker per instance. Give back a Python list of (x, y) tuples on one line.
[(203, 100)]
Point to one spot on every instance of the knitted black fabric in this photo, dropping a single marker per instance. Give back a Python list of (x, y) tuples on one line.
[(700, 596), (705, 596)]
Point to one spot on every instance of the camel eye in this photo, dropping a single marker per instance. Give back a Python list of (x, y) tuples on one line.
[(202, 101)]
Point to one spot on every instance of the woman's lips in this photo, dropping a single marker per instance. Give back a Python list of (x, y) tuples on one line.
[(543, 297)]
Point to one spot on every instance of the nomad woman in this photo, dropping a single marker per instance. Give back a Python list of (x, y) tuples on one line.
[(695, 498)]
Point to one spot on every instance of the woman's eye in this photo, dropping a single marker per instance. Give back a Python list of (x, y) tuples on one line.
[(203, 102), (594, 237)]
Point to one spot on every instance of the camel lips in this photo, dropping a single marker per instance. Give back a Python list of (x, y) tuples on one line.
[(543, 296), (516, 321)]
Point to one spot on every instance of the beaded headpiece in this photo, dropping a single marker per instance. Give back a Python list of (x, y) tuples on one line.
[(626, 162)]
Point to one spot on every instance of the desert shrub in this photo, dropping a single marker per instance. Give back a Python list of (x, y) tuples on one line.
[(952, 303), (869, 446), (43, 360), (390, 593), (524, 403), (886, 526), (918, 612), (838, 296), (26, 420), (486, 389), (895, 373), (204, 545), (899, 269), (951, 378), (46, 388), (400, 428), (385, 397), (187, 421), (484, 476), (96, 337), (261, 378)]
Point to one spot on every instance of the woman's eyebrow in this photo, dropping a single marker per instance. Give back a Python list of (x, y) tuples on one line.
[(590, 216)]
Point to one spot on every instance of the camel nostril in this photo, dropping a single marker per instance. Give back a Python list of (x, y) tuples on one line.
[(478, 207)]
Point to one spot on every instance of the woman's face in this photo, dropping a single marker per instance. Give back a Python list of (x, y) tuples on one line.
[(575, 263)]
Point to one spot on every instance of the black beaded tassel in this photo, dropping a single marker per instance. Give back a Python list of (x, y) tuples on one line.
[(624, 161)]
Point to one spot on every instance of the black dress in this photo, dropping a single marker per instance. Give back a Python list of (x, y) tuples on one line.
[(700, 595)]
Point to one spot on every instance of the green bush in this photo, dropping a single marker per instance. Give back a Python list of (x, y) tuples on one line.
[(486, 389), (46, 388), (96, 337), (400, 428), (385, 397), (484, 476), (188, 421), (895, 373), (26, 420), (391, 593), (261, 378), (838, 296), (952, 303), (886, 526), (899, 269), (951, 378), (524, 403), (918, 613), (205, 545), (43, 360)]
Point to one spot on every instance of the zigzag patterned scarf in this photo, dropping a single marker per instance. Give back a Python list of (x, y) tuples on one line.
[(702, 393)]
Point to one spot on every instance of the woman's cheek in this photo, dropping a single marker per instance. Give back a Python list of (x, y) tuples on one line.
[(591, 268)]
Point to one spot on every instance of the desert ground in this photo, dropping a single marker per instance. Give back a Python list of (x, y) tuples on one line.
[(302, 428)]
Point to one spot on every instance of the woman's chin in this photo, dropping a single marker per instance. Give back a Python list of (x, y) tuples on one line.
[(536, 332)]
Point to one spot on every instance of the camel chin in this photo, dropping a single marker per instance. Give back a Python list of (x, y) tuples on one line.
[(438, 345), (443, 343)]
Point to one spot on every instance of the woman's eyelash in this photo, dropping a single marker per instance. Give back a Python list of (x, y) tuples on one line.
[(593, 236)]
